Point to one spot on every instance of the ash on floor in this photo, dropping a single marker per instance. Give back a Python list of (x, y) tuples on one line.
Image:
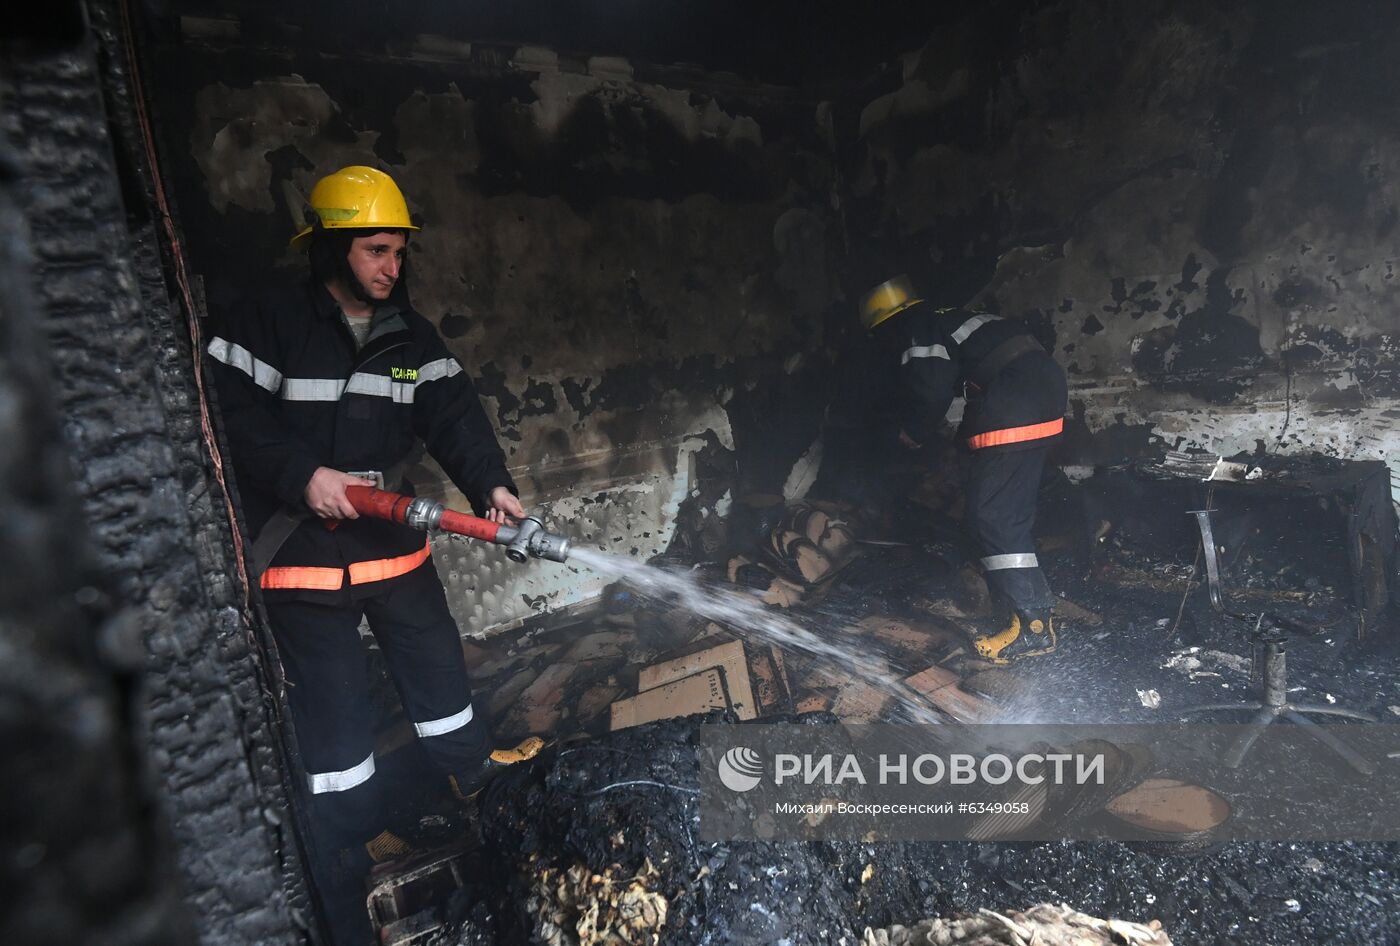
[(608, 818)]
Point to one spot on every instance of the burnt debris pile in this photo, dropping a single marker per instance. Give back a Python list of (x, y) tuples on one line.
[(1309, 536), (604, 840), (598, 844)]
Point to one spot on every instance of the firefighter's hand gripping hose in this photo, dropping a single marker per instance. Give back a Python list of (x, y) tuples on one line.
[(526, 539)]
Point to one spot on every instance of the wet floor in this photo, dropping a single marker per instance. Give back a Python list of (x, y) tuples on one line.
[(1130, 651)]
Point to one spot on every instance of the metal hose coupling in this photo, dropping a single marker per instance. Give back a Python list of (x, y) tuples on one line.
[(528, 538), (423, 513)]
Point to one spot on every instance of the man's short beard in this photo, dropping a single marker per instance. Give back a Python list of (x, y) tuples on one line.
[(352, 284), (329, 255)]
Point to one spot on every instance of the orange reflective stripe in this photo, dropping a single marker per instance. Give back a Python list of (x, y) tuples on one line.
[(331, 579), (998, 438), (382, 568), (317, 579)]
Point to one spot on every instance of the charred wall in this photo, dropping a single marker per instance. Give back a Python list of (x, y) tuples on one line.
[(75, 871), (634, 263), (142, 770), (1194, 203)]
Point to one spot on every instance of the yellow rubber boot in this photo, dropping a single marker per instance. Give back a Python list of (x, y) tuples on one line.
[(523, 751), (387, 846), (496, 762), (993, 646), (1031, 638)]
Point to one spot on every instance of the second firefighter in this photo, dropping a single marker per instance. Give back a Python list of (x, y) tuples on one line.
[(1015, 402)]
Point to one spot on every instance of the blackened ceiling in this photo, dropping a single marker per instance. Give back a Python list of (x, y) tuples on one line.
[(788, 42)]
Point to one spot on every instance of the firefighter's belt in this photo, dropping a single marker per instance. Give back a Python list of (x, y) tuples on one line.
[(282, 523)]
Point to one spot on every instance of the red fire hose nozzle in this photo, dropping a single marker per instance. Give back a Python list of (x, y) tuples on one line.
[(526, 539)]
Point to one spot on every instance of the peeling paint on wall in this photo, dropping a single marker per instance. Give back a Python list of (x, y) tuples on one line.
[(238, 132), (633, 515), (607, 257), (1196, 207)]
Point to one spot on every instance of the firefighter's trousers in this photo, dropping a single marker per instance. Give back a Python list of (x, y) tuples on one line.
[(1002, 491), (327, 678)]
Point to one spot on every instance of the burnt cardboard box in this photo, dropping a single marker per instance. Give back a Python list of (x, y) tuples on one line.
[(815, 702), (729, 657), (770, 680), (860, 702), (698, 693)]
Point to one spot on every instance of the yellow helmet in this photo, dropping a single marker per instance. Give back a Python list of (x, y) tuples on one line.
[(358, 198), (886, 301)]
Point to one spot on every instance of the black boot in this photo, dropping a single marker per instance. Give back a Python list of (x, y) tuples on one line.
[(1025, 635), (467, 785), (1042, 638)]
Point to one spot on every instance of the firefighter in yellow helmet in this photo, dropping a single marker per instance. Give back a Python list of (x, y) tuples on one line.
[(319, 384), (1015, 402), (345, 206), (356, 198)]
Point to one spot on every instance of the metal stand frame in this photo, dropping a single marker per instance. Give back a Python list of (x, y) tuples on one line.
[(1272, 669)]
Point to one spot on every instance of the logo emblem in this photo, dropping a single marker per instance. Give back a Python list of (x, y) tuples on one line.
[(740, 769)]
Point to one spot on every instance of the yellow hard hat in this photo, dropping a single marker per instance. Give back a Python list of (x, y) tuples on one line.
[(358, 198), (886, 301)]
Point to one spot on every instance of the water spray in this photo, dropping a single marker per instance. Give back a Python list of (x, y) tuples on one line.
[(529, 539), (526, 539)]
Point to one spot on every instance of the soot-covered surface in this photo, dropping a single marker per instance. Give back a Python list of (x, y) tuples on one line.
[(628, 799), (619, 809)]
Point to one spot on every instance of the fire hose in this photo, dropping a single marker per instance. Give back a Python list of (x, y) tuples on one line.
[(526, 539)]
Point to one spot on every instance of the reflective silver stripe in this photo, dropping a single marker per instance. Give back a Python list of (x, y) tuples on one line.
[(377, 385), (925, 351), (436, 727), (322, 782), (993, 563), (972, 325), (236, 356), (312, 389), (437, 370)]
